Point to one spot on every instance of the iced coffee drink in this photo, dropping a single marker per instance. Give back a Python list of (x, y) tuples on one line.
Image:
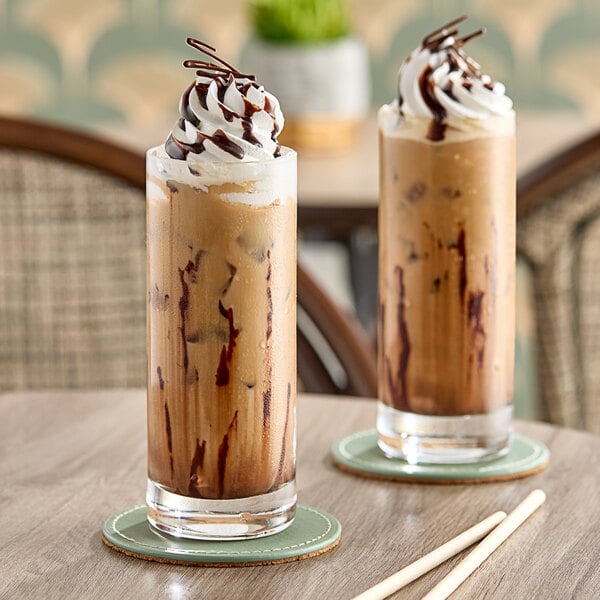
[(447, 259), (221, 224)]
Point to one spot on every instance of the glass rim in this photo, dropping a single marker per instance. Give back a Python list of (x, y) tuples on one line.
[(158, 152)]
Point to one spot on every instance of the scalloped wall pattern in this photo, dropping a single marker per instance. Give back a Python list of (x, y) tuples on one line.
[(117, 62)]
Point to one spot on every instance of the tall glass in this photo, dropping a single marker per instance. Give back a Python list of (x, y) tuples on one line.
[(447, 276), (221, 243)]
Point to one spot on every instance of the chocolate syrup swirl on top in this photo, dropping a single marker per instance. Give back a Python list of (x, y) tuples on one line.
[(224, 76), (443, 40)]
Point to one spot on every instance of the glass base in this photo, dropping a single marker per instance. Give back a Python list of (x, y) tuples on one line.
[(422, 439), (231, 519)]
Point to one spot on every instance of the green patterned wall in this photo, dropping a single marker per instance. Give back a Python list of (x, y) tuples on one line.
[(117, 62)]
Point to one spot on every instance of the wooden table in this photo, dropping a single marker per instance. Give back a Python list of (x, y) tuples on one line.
[(70, 459)]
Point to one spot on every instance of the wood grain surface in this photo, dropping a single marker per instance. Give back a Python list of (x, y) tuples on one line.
[(70, 459)]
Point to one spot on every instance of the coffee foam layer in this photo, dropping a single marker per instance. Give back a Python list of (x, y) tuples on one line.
[(392, 123), (262, 182)]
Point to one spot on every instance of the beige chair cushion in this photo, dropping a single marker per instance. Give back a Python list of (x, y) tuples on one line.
[(562, 241), (72, 276)]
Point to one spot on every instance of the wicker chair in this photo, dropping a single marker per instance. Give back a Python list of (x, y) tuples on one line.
[(72, 273), (558, 234)]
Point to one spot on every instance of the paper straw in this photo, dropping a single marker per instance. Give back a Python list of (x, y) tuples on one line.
[(449, 583), (433, 559)]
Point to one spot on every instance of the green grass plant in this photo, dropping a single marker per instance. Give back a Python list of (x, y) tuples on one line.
[(300, 21)]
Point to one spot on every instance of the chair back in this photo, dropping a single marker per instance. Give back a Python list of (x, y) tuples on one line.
[(72, 275), (558, 233)]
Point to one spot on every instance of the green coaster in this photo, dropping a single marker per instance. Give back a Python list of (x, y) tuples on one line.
[(359, 454), (312, 532)]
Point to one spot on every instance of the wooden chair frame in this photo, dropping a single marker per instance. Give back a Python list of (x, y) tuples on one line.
[(556, 174)]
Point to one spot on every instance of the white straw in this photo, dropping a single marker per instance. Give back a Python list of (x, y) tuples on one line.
[(433, 559), (449, 583)]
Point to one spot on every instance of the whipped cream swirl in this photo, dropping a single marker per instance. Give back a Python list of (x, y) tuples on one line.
[(225, 115), (439, 81)]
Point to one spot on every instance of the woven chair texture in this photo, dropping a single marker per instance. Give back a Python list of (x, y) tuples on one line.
[(72, 276), (561, 240)]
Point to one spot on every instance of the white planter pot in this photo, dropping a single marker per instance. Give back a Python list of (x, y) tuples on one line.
[(324, 89)]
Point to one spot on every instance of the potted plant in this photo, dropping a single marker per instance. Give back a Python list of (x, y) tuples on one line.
[(303, 51)]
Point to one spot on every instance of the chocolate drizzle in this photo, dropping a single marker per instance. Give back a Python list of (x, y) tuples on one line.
[(220, 139), (413, 255), (221, 91), (222, 454), (269, 331), (222, 376), (249, 107), (279, 477), (267, 402), (443, 40), (232, 272), (201, 88), (381, 332), (175, 149), (179, 150), (403, 330), (224, 76), (193, 265), (248, 135), (192, 271), (269, 299), (474, 312), (184, 302), (437, 127), (210, 68), (185, 109), (169, 437), (196, 467), (397, 382), (462, 253)]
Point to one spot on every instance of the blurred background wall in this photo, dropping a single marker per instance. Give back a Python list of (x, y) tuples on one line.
[(115, 64)]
